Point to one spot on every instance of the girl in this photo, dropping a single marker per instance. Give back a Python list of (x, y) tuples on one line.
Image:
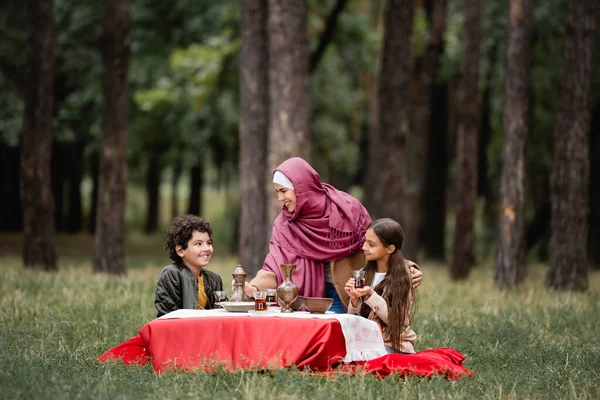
[(388, 295)]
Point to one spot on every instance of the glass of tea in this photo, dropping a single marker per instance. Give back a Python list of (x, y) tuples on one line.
[(260, 301), (359, 278), (220, 295), (271, 295)]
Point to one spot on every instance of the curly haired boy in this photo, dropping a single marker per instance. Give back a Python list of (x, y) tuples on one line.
[(186, 284)]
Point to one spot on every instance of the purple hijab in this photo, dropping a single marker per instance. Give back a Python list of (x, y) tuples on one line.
[(327, 225)]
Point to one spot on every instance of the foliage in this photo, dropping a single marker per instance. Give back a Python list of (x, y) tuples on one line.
[(12, 70), (531, 343), (338, 91)]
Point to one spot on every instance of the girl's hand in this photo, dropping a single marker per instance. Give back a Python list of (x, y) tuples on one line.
[(365, 291), (417, 277), (355, 293), (351, 290)]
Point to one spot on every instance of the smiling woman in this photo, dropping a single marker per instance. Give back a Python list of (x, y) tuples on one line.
[(185, 283), (320, 229)]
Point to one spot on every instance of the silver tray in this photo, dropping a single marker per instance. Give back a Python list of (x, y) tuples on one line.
[(237, 306)]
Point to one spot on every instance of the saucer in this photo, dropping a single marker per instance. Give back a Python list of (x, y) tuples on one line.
[(268, 312)]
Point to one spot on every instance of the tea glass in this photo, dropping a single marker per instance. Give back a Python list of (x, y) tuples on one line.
[(260, 301), (220, 295), (359, 278), (271, 295)]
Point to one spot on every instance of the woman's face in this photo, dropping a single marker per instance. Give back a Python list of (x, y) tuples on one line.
[(286, 196)]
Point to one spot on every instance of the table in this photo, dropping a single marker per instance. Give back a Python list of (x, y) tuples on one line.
[(212, 339)]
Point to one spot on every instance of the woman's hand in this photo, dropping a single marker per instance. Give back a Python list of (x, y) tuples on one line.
[(248, 288), (417, 277)]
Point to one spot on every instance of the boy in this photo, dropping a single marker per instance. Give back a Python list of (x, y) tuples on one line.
[(186, 284)]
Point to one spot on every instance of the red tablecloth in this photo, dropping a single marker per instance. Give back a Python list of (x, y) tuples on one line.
[(233, 343)]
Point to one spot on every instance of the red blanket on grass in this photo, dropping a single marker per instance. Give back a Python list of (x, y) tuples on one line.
[(426, 363)]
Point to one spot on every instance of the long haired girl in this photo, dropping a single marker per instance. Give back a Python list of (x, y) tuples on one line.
[(388, 294)]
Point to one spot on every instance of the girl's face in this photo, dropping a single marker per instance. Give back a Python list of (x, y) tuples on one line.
[(199, 250), (374, 250), (286, 196)]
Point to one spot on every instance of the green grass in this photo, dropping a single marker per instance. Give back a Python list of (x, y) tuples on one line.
[(530, 343)]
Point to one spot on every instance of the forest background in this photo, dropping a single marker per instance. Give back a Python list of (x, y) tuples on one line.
[(474, 123), (403, 105)]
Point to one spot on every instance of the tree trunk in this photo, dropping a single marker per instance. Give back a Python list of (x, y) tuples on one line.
[(109, 254), (418, 141), (95, 175), (10, 201), (196, 185), (372, 141), (510, 258), (175, 188), (468, 128), (58, 183), (39, 232), (74, 217), (152, 193), (485, 188), (594, 218), (289, 100), (571, 165), (393, 109), (254, 126), (434, 227), (328, 34)]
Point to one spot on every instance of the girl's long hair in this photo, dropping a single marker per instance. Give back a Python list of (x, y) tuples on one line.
[(396, 288)]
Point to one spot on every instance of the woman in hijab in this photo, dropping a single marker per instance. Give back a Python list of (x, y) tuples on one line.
[(321, 230)]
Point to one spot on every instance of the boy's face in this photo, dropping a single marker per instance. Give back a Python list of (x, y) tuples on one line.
[(198, 252)]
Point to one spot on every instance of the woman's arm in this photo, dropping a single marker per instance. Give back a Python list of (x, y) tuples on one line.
[(417, 274), (263, 280)]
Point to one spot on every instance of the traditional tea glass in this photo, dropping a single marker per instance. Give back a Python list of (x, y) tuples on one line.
[(220, 295), (271, 295), (260, 301), (359, 278)]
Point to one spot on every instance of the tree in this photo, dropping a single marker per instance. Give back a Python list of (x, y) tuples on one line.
[(289, 100), (109, 254), (434, 228), (39, 233), (510, 259), (571, 165), (468, 128), (418, 142), (393, 112), (328, 34), (594, 219), (254, 126), (152, 192)]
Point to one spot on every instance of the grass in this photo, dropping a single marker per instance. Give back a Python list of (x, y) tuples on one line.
[(530, 343)]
